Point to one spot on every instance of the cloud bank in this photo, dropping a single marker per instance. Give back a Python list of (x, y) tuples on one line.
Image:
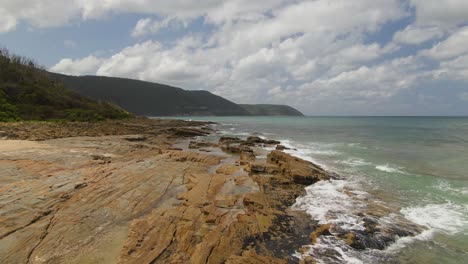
[(305, 53)]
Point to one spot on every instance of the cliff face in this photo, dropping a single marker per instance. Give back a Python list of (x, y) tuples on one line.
[(271, 110)]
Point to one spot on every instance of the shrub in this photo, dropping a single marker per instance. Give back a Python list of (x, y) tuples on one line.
[(81, 115)]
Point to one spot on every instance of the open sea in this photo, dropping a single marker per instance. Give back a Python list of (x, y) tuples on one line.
[(416, 166)]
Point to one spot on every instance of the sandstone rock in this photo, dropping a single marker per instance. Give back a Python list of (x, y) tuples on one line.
[(263, 168), (201, 144), (229, 140), (298, 170), (308, 260), (322, 230), (246, 157), (150, 205), (187, 132), (232, 149), (259, 140)]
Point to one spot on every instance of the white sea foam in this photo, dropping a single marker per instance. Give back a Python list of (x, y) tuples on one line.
[(234, 133), (389, 168), (447, 218), (355, 162), (309, 151), (356, 145), (329, 249), (327, 202), (445, 186)]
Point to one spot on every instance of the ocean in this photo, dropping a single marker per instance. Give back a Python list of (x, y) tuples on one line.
[(416, 167)]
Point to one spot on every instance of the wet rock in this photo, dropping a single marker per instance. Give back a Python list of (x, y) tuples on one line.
[(362, 240), (259, 140), (307, 260), (322, 230), (232, 149), (188, 132), (230, 140), (201, 144), (281, 147), (264, 168), (298, 170)]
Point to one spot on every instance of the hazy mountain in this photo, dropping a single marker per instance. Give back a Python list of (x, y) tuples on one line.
[(153, 99), (271, 110)]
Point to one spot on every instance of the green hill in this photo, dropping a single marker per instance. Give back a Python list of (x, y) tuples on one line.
[(151, 99), (28, 93), (271, 110)]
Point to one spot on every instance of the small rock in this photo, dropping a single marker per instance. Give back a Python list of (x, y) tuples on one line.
[(322, 230), (136, 138), (281, 147), (229, 140), (233, 149), (200, 144), (263, 168)]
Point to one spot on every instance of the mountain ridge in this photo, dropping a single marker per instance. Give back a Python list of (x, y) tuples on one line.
[(155, 99), (271, 110)]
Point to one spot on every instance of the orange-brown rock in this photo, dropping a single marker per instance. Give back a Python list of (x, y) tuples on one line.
[(133, 198), (321, 230), (298, 170)]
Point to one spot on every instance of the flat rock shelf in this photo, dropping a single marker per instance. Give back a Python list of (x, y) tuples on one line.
[(150, 191)]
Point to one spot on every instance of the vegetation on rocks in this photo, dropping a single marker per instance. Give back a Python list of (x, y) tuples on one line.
[(28, 93)]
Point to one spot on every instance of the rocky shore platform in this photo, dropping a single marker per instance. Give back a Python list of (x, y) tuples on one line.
[(150, 191)]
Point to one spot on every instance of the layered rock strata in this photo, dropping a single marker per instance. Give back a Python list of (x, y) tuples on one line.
[(123, 194)]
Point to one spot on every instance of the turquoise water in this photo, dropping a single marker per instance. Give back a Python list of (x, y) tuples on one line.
[(418, 166)]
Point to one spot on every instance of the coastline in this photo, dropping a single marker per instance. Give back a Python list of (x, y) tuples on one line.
[(144, 191), (120, 192)]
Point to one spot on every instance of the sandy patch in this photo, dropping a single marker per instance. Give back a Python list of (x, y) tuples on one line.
[(13, 145)]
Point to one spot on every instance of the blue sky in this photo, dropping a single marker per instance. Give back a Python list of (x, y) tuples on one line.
[(325, 57)]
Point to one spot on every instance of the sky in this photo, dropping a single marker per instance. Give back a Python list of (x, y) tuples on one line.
[(324, 57)]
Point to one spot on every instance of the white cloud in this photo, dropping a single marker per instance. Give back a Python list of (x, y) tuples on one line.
[(7, 22), (39, 13), (87, 65), (148, 26), (250, 52), (51, 13), (455, 45), (454, 69), (414, 35), (294, 52), (378, 82)]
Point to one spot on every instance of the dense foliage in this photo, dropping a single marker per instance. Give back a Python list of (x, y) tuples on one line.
[(28, 93)]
